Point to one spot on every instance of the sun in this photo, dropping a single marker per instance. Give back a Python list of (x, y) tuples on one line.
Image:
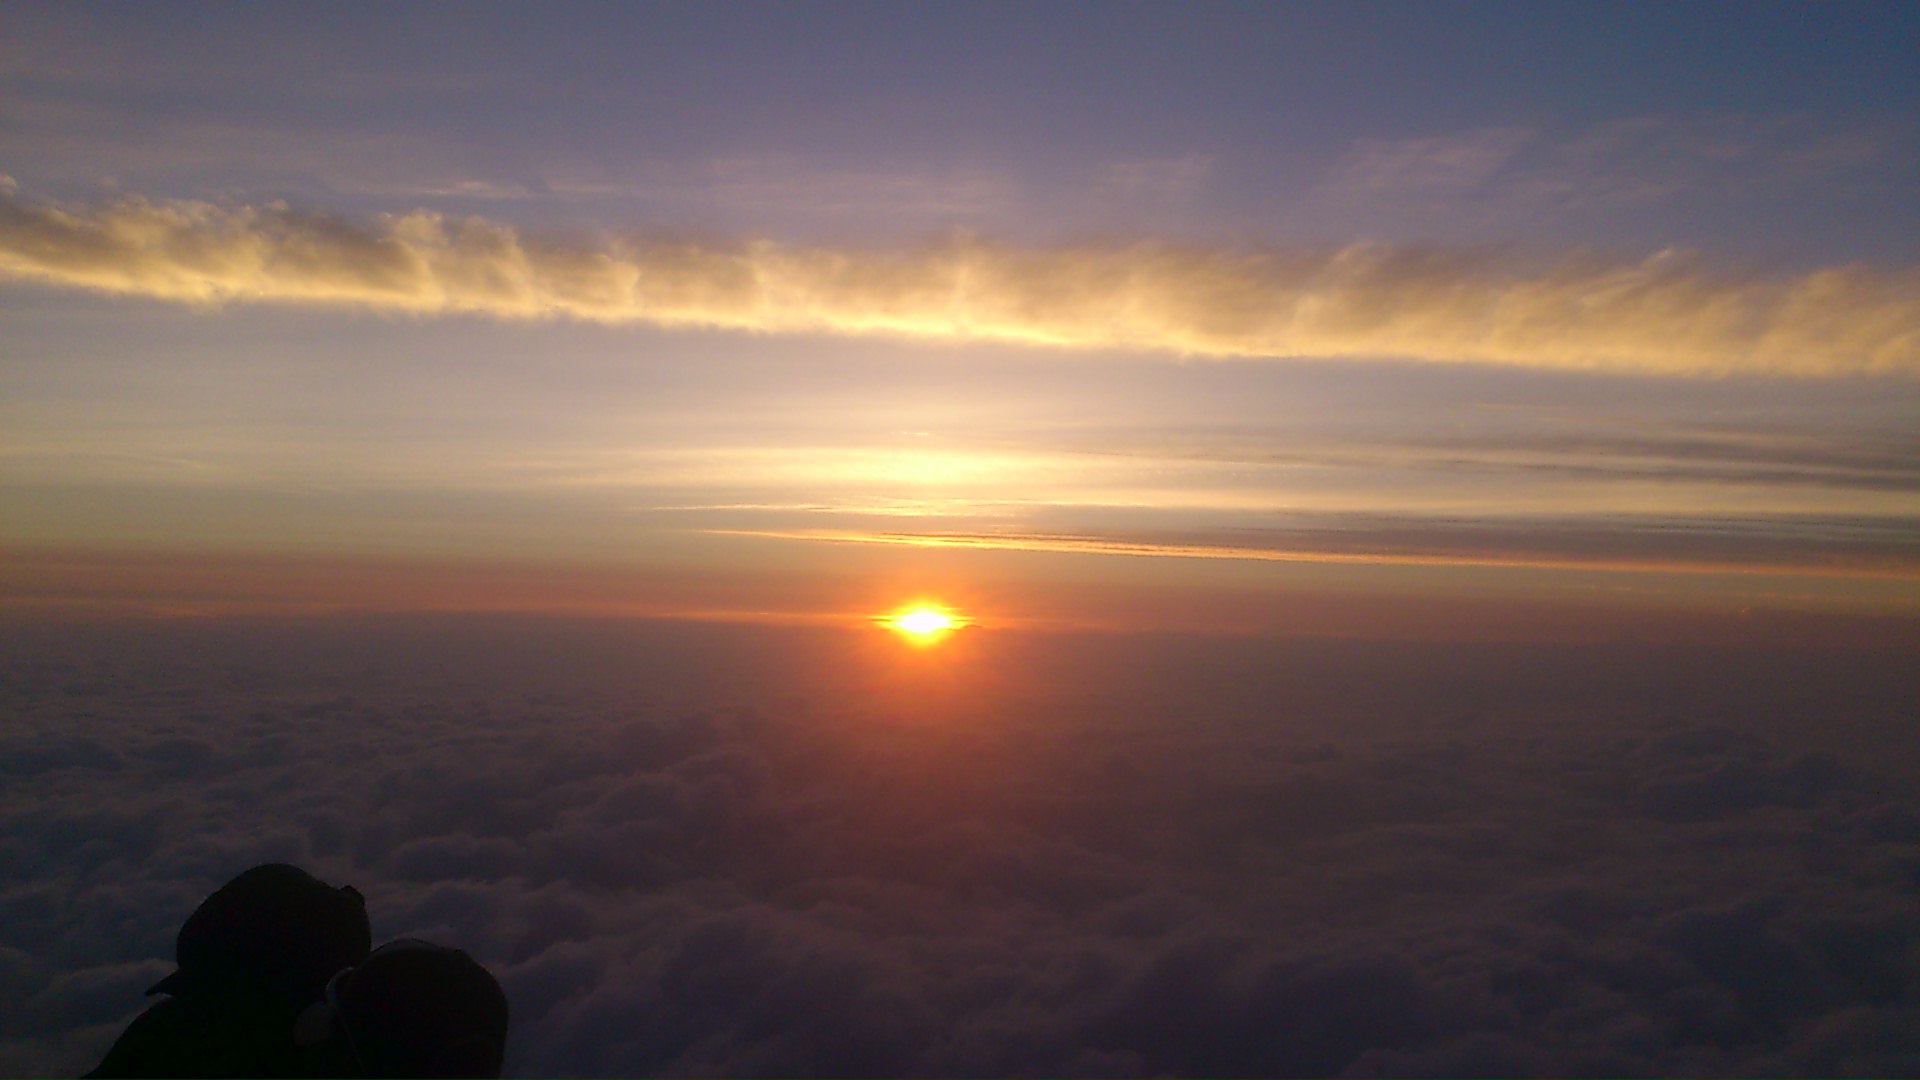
[(924, 621), (922, 624)]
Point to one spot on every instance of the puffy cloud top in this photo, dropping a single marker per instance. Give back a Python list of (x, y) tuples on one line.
[(1130, 874)]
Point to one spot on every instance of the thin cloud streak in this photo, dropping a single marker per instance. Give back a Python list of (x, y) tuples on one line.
[(1667, 314), (1487, 548)]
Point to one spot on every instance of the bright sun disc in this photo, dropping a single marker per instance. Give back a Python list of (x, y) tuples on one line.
[(922, 624)]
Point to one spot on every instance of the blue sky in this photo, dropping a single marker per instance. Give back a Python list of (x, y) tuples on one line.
[(1007, 116)]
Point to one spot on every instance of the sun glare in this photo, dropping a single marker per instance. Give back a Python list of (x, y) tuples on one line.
[(922, 624)]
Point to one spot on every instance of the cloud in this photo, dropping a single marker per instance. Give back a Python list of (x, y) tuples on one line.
[(1444, 162), (1629, 161), (1804, 544), (1159, 857), (1666, 314), (1171, 179)]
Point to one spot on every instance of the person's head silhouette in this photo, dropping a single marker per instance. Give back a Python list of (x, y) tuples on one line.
[(274, 930), (251, 958), (411, 1008)]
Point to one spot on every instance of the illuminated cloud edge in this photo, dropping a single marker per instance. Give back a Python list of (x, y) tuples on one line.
[(1668, 314)]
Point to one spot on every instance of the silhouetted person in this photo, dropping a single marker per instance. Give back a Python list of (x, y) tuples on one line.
[(251, 958), (411, 1009)]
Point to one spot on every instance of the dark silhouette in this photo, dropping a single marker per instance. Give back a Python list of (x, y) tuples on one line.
[(251, 957), (276, 979), (412, 1008)]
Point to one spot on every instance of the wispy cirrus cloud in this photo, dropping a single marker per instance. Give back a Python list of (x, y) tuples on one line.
[(1668, 313), (1512, 172), (1844, 548), (1426, 163), (1168, 179)]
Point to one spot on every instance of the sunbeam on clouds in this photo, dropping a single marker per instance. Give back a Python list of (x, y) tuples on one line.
[(1667, 313)]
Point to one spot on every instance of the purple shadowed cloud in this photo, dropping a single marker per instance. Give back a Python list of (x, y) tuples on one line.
[(688, 850)]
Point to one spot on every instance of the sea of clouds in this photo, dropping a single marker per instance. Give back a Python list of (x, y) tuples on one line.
[(708, 850)]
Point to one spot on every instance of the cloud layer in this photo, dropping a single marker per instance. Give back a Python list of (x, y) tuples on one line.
[(1119, 857), (1667, 314)]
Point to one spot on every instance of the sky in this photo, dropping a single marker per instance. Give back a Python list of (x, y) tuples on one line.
[(1519, 400), (742, 313)]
